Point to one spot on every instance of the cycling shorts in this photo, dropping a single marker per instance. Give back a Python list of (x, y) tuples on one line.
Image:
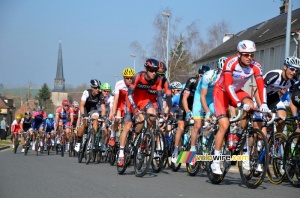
[(198, 111)]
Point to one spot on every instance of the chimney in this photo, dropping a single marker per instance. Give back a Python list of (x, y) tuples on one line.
[(284, 7)]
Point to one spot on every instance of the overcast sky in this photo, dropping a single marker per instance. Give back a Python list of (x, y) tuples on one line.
[(96, 34)]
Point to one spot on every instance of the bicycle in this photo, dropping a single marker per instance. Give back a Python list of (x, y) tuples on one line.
[(143, 147), (184, 143), (16, 142), (38, 143), (291, 158), (27, 142), (113, 151), (247, 143), (72, 142)]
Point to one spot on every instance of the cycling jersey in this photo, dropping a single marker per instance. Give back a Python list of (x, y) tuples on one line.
[(142, 93), (64, 115), (27, 123), (295, 94), (190, 87), (207, 82), (16, 126), (38, 119), (49, 125), (167, 92), (91, 101), (107, 101), (75, 116), (175, 103), (228, 87), (274, 83)]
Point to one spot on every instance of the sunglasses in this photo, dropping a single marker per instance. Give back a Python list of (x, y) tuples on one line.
[(66, 105), (128, 78), (152, 71), (248, 55), (96, 88), (293, 69), (105, 90)]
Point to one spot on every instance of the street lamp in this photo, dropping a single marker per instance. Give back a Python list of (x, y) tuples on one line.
[(166, 14), (133, 56)]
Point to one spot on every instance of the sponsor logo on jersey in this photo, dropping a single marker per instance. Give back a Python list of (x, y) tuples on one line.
[(269, 81)]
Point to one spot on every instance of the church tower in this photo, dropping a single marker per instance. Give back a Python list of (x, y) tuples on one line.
[(59, 93), (59, 82)]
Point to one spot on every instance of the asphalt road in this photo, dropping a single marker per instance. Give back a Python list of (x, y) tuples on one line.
[(54, 176)]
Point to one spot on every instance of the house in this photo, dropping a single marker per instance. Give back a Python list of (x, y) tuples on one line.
[(269, 37)]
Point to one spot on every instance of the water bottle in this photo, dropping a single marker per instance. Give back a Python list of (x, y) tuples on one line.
[(259, 145), (185, 139), (262, 156), (169, 140)]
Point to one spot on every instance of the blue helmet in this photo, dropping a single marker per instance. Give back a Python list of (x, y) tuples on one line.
[(50, 116)]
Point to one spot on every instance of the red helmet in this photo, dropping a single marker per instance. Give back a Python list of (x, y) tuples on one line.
[(65, 103)]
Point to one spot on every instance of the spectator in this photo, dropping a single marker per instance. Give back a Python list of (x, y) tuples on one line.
[(3, 129)]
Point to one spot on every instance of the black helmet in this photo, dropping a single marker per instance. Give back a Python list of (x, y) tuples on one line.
[(203, 69), (151, 64), (95, 83)]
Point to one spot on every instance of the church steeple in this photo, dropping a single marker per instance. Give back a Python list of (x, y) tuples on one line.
[(59, 83)]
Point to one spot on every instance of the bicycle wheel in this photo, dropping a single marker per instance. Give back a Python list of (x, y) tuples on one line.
[(253, 171), (88, 150), (71, 146), (276, 172), (81, 151), (112, 155), (121, 169), (224, 165), (160, 153), (194, 169), (37, 146), (27, 144), (143, 153), (291, 159), (16, 144), (63, 147)]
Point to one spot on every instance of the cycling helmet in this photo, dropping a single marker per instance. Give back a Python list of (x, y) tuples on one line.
[(221, 62), (162, 66), (176, 85), (128, 72), (65, 103), (18, 117), (41, 108), (75, 104), (105, 86), (27, 113), (50, 116), (292, 61), (203, 69), (246, 46), (151, 64), (95, 83)]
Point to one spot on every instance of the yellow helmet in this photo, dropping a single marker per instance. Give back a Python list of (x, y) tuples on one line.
[(128, 72), (18, 117)]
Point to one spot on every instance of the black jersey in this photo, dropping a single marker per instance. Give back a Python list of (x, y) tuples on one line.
[(190, 87), (91, 101)]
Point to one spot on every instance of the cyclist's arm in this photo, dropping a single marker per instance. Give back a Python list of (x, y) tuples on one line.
[(260, 83), (84, 96), (131, 90), (203, 100), (114, 108), (229, 88)]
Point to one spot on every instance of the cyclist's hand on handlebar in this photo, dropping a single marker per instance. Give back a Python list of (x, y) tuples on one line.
[(241, 105), (188, 115), (264, 108)]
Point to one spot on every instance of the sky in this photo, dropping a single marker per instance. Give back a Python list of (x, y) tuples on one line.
[(96, 34)]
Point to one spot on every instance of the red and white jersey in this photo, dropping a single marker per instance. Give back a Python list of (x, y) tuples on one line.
[(234, 77), (122, 90)]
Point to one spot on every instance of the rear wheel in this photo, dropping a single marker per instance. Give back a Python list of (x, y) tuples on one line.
[(16, 144)]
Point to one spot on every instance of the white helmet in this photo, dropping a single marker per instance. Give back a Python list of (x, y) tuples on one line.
[(176, 85), (246, 46), (292, 61), (221, 62)]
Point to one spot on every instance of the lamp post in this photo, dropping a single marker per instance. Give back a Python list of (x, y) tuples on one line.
[(116, 77), (133, 56), (166, 14)]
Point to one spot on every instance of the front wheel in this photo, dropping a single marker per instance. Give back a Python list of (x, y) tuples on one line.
[(143, 153), (253, 170), (160, 153)]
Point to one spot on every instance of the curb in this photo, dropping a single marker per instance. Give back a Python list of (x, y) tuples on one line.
[(4, 147)]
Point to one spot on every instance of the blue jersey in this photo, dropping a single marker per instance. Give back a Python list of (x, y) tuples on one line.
[(49, 125)]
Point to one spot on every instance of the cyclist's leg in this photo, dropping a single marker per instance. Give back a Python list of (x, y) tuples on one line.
[(123, 135), (198, 116)]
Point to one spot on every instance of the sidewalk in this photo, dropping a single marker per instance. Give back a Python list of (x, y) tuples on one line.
[(5, 144)]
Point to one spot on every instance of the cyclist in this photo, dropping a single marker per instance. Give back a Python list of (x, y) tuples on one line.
[(88, 106), (186, 106), (76, 117), (143, 94), (176, 88), (16, 127), (162, 69), (39, 118), (64, 119), (49, 129), (106, 89), (121, 109), (27, 125), (236, 72), (277, 82)]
